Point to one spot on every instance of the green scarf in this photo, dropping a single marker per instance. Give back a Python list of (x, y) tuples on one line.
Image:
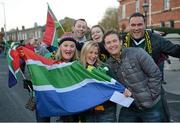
[(147, 47)]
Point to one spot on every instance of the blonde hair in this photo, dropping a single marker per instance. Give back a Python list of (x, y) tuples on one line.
[(58, 56), (85, 50)]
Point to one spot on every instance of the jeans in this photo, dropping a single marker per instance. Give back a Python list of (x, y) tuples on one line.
[(71, 118), (154, 114), (42, 119), (108, 115)]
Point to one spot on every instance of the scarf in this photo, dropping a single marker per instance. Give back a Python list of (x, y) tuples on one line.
[(147, 47)]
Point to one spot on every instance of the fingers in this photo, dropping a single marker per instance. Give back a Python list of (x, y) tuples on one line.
[(21, 53), (127, 93)]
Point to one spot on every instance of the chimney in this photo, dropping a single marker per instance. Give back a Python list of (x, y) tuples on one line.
[(23, 27)]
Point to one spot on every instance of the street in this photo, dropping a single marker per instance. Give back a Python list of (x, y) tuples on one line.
[(13, 99)]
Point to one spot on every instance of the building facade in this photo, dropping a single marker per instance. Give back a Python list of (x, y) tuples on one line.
[(160, 13), (24, 34)]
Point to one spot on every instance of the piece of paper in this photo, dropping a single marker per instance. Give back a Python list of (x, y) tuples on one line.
[(120, 99)]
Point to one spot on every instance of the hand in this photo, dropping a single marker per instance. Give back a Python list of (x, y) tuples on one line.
[(27, 85), (21, 53), (127, 93)]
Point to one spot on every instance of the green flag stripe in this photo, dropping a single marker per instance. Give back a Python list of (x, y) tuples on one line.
[(64, 76), (70, 88), (55, 39)]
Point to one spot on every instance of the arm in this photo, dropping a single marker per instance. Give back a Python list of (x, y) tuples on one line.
[(105, 69), (167, 47), (150, 70)]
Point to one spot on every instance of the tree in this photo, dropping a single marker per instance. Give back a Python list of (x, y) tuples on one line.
[(67, 24), (110, 19)]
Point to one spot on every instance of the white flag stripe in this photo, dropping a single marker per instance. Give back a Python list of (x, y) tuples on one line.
[(49, 67), (73, 87)]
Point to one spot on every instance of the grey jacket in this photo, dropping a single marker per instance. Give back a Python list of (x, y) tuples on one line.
[(41, 50), (139, 73)]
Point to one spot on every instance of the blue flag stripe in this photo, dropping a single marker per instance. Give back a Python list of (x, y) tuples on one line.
[(51, 103)]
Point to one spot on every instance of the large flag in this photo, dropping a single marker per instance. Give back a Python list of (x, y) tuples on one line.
[(52, 24), (67, 88), (13, 65)]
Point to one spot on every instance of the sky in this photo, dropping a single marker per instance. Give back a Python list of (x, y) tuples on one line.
[(27, 12)]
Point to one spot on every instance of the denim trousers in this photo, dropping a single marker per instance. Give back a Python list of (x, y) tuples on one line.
[(42, 119), (154, 114), (108, 115)]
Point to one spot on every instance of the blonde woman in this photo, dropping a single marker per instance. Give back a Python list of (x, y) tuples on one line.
[(105, 112)]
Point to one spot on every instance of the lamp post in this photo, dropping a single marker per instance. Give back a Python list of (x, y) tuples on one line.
[(145, 7), (3, 4)]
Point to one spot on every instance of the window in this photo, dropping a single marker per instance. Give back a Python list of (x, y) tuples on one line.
[(123, 11), (172, 23), (162, 24), (166, 4), (167, 24), (137, 6)]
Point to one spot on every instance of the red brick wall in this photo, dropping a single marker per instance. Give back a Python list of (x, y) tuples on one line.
[(158, 14), (177, 25), (175, 3)]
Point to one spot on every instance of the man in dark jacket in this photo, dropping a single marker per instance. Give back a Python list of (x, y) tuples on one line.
[(152, 43), (138, 72)]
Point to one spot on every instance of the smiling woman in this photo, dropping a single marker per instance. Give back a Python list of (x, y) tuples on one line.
[(24, 12), (67, 51)]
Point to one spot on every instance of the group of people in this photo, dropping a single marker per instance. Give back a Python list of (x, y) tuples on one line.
[(131, 59)]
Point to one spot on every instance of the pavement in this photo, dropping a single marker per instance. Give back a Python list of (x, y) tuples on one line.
[(173, 93)]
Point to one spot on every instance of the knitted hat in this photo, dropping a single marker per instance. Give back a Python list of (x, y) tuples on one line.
[(67, 36)]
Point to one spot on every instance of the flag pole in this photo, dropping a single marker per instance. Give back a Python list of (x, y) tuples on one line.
[(56, 18), (25, 79)]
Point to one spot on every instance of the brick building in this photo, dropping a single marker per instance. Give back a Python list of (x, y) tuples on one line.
[(24, 34), (161, 13)]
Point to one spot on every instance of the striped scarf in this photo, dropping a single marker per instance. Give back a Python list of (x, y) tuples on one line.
[(147, 47)]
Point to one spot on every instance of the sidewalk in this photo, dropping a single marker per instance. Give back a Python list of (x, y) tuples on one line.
[(173, 93), (173, 81)]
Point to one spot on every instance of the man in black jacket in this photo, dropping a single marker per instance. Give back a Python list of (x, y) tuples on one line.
[(152, 43)]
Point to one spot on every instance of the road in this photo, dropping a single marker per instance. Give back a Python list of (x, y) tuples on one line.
[(13, 99)]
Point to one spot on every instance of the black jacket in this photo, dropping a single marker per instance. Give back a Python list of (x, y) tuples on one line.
[(162, 46)]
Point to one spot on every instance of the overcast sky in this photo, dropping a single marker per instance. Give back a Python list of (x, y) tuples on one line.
[(27, 12)]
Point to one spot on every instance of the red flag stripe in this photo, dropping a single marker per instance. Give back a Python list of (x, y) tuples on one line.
[(50, 29), (30, 55), (15, 60)]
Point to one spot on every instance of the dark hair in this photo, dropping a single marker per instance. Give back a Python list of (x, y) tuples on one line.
[(109, 32), (137, 14), (81, 19), (99, 27), (102, 29)]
